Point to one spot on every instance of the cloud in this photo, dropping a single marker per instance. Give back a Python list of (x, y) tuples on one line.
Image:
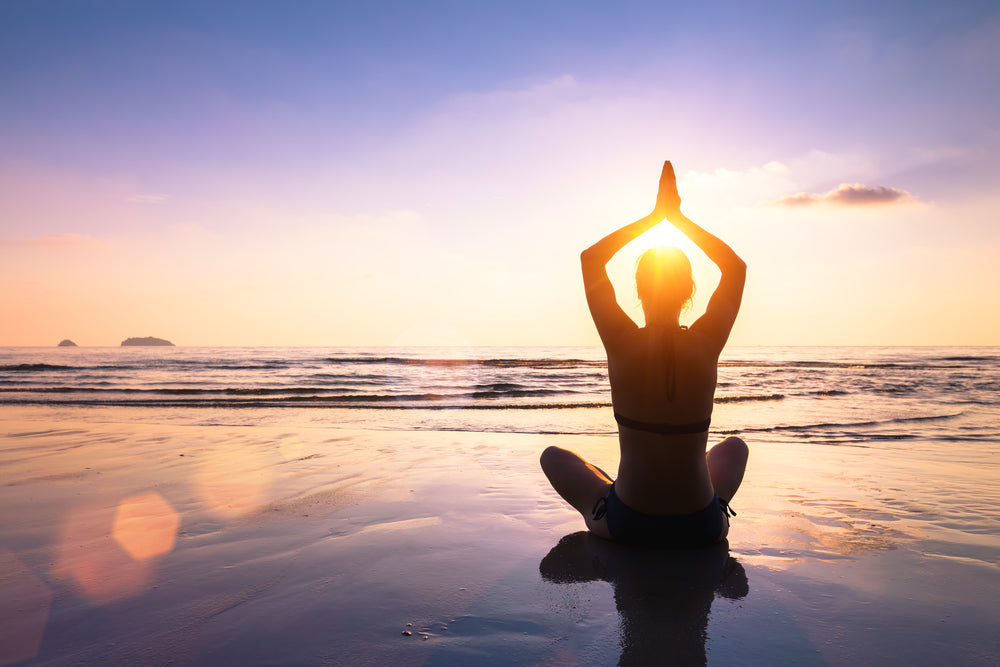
[(52, 241), (147, 199), (847, 194)]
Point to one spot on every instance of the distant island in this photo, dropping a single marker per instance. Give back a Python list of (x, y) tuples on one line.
[(68, 343), (146, 341)]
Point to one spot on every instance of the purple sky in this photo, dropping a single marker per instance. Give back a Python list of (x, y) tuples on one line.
[(301, 173)]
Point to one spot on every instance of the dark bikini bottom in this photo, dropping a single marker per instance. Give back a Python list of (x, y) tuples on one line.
[(628, 526)]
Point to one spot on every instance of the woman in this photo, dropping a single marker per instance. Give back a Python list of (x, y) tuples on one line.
[(669, 492)]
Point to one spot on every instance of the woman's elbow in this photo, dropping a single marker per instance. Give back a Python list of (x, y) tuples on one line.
[(589, 257)]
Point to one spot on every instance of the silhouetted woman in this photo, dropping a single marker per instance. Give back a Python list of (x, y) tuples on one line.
[(669, 492)]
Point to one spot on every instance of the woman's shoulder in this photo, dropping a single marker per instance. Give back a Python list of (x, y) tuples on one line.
[(696, 340), (691, 339), (647, 347)]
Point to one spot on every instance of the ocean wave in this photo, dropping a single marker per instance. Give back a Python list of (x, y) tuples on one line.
[(499, 386), (381, 402), (494, 363), (499, 390), (823, 426), (749, 398), (212, 364), (825, 365), (22, 368), (482, 392), (154, 364), (972, 359)]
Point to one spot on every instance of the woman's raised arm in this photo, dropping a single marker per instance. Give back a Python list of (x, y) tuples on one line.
[(609, 318), (725, 302)]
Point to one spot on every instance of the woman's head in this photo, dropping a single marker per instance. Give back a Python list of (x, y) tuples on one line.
[(663, 282)]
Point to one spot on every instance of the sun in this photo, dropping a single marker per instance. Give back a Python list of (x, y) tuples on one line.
[(663, 234)]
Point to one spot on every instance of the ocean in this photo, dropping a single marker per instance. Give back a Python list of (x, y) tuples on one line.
[(857, 396)]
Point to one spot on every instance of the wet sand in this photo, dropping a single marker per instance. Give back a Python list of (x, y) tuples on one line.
[(134, 536)]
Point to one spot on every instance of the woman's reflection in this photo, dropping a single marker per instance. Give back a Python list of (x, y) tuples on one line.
[(663, 596)]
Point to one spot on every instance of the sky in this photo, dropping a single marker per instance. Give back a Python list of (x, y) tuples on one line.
[(392, 173)]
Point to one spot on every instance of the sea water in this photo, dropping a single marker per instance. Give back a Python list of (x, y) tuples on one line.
[(851, 396)]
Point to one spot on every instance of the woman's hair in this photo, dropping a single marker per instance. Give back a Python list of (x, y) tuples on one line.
[(663, 281)]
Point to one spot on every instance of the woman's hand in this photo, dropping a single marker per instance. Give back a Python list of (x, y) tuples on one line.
[(668, 201)]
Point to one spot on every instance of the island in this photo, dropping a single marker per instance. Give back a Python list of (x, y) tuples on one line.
[(146, 341), (66, 343)]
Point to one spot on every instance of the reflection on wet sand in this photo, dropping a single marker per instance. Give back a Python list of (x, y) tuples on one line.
[(663, 597), (24, 608)]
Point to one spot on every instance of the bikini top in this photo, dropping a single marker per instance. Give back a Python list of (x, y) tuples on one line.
[(663, 428)]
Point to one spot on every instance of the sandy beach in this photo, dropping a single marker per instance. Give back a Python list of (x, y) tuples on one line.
[(129, 537)]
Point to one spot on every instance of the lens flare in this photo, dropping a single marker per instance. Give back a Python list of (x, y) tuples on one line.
[(145, 526), (233, 481), (93, 561)]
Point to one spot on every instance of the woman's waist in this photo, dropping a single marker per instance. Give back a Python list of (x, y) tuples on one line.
[(664, 482)]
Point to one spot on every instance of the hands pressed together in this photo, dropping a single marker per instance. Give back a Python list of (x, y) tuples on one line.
[(668, 201)]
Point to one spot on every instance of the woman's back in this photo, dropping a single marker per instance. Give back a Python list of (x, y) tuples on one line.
[(663, 378), (663, 375)]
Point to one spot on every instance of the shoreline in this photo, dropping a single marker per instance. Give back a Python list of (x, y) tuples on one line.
[(319, 544)]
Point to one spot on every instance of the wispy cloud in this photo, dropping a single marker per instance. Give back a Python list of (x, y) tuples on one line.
[(847, 194), (147, 199), (52, 241)]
